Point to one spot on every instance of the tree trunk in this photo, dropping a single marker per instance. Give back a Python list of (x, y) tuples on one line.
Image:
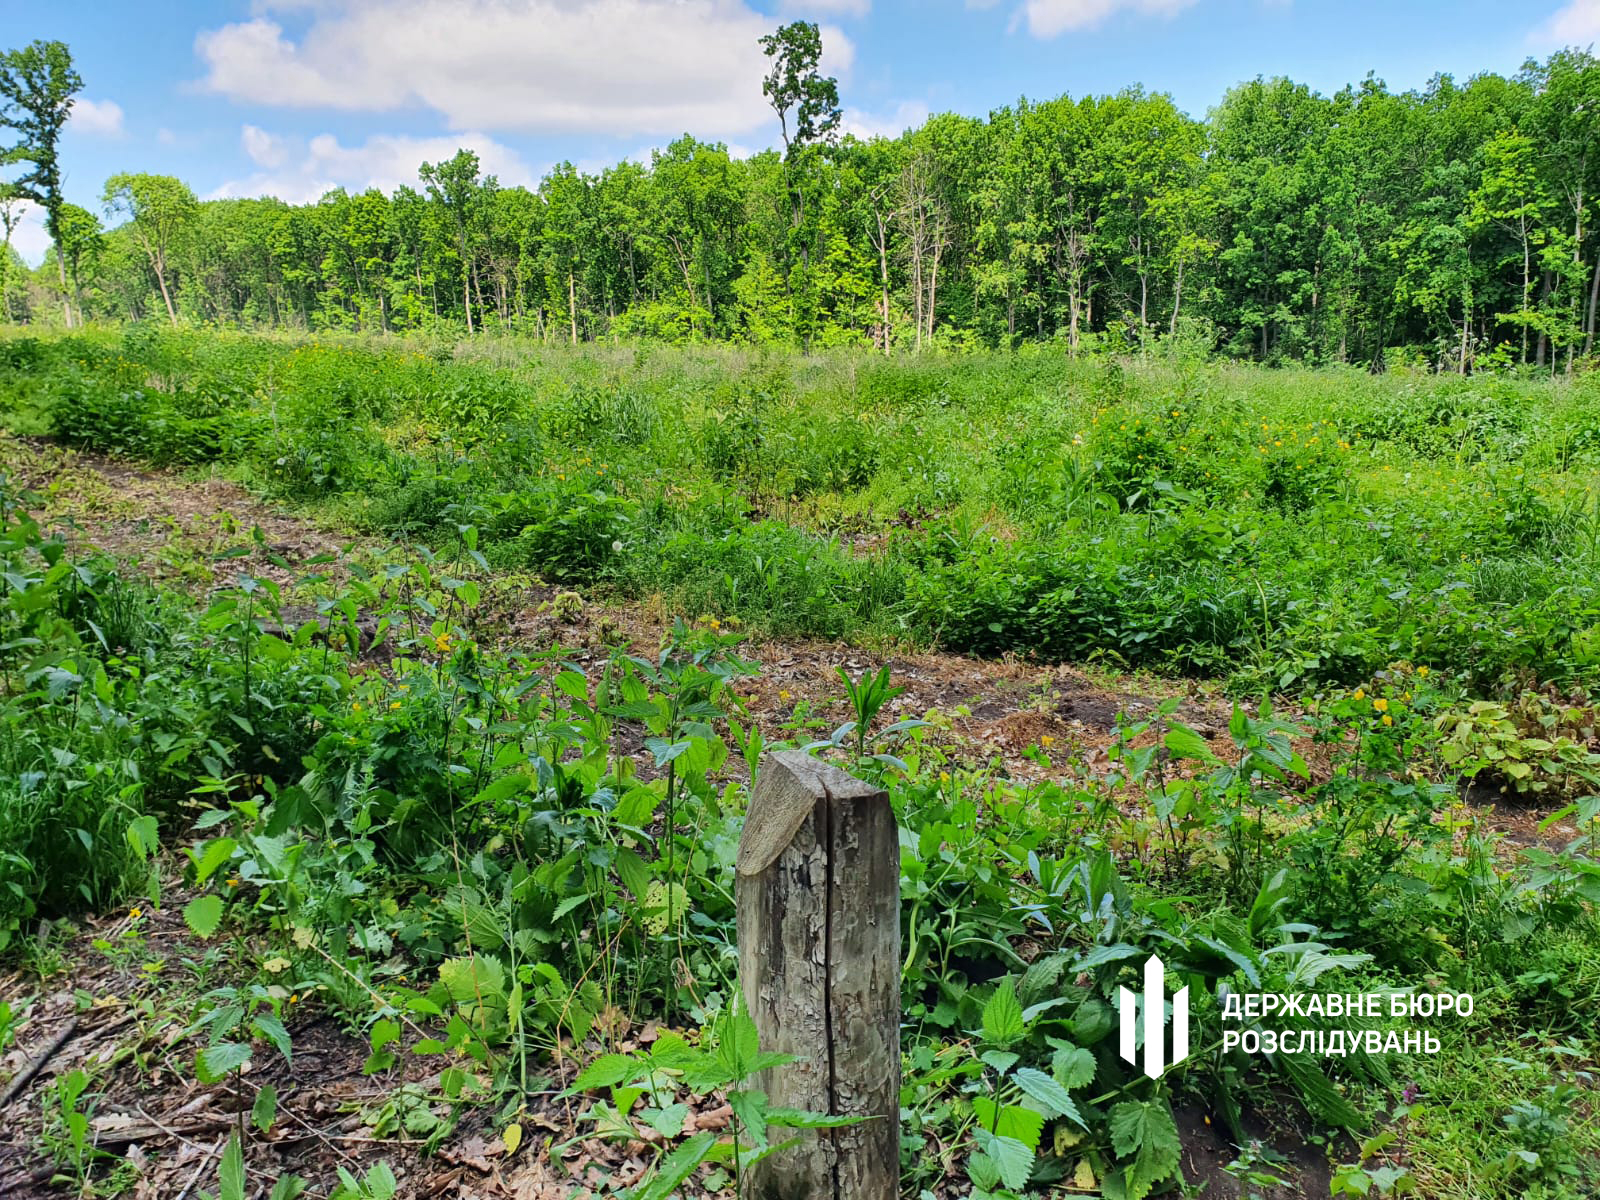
[(1594, 301), (1177, 297), (161, 279), (572, 305), (818, 899), (66, 296), (1527, 287), (883, 277), (1544, 338)]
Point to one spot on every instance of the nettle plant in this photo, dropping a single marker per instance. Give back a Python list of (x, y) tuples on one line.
[(651, 1093)]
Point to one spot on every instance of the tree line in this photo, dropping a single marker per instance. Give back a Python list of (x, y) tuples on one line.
[(1452, 223)]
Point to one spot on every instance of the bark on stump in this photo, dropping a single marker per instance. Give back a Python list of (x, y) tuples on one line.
[(818, 896)]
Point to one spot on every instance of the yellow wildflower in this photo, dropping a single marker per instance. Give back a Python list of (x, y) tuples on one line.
[(1422, 672), (944, 776), (1046, 740), (1381, 705), (1387, 719), (1361, 693)]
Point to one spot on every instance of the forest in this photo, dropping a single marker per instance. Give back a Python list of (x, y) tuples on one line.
[(1451, 225)]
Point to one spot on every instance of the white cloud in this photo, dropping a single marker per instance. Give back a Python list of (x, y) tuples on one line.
[(829, 8), (102, 118), (265, 149), (908, 114), (1576, 24), (589, 66), (300, 171), (1049, 18), (29, 238)]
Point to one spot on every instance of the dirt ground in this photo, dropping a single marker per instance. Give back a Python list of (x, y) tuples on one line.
[(96, 1008)]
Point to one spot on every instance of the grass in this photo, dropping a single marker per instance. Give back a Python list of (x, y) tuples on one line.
[(1286, 530)]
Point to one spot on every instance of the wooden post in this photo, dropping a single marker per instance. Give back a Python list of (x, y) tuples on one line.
[(818, 895)]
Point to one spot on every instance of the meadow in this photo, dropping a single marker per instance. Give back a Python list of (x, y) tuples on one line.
[(271, 790)]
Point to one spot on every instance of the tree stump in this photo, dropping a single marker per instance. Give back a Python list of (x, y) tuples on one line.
[(818, 896)]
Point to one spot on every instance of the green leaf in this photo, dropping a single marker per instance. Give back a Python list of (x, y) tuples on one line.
[(144, 836), (750, 1107), (1183, 742), (269, 1027), (1047, 1092), (795, 1118), (215, 1063), (468, 979), (1026, 1125), (1101, 955), (379, 1182), (503, 789), (288, 1187), (1002, 1016), (1073, 1067), (203, 914), (1000, 1061), (216, 852), (668, 1121), (1145, 1132), (606, 1071), (383, 1032), (265, 1110), (632, 871), (1011, 1158), (1318, 1092), (676, 1167), (230, 1175)]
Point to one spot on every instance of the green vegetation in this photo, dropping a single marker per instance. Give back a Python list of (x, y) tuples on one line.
[(1286, 530), (392, 816)]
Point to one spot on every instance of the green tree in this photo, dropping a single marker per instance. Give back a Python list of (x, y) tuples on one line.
[(160, 211), (78, 245), (10, 216), (1511, 198), (456, 191), (807, 106), (37, 85)]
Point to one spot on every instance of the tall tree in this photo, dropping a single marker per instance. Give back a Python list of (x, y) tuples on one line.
[(454, 188), (801, 95), (37, 84), (160, 210), (78, 244), (10, 217)]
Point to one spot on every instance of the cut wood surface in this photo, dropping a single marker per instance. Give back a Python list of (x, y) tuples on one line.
[(819, 956)]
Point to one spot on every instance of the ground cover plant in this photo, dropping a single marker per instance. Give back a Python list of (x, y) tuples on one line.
[(1288, 530), (330, 798)]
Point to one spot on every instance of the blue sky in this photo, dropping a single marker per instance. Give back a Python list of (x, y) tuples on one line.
[(290, 97)]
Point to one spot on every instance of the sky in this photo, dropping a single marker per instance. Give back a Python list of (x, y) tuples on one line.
[(293, 97)]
